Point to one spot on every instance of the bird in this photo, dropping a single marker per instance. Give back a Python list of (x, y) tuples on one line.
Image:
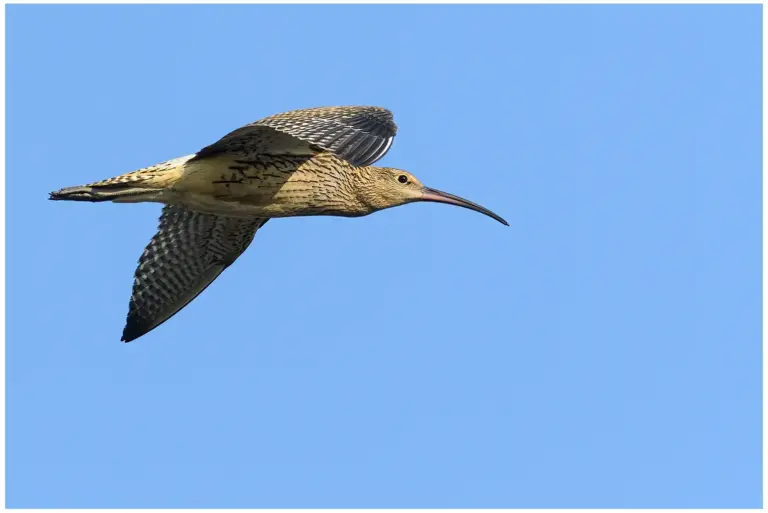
[(306, 162)]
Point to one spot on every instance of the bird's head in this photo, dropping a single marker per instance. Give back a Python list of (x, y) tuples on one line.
[(389, 187)]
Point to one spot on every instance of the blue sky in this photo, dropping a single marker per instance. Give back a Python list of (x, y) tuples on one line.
[(602, 351)]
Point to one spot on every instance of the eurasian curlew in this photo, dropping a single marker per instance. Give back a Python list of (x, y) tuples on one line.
[(299, 163)]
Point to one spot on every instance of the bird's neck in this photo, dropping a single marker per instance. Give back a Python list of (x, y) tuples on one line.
[(334, 187), (366, 181)]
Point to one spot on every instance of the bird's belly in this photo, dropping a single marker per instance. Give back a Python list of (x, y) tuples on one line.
[(278, 205), (211, 205)]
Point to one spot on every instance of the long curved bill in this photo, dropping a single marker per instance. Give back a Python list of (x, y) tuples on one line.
[(443, 197)]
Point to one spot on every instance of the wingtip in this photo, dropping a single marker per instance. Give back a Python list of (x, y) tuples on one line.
[(129, 335), (136, 327)]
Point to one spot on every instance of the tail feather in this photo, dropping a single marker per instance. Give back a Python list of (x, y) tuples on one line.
[(141, 185), (100, 193)]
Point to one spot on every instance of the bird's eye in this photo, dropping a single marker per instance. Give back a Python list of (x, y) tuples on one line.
[(402, 179)]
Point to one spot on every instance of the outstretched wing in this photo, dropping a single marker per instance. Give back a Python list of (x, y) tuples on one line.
[(359, 135), (188, 252)]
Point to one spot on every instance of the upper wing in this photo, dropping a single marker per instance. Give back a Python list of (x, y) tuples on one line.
[(188, 252), (359, 135)]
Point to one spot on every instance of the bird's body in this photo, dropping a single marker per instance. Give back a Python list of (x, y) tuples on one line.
[(300, 163), (274, 185)]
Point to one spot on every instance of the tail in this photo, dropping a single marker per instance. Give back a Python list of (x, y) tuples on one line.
[(142, 185), (95, 193)]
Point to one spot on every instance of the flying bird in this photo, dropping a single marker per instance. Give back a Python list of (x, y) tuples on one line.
[(300, 163)]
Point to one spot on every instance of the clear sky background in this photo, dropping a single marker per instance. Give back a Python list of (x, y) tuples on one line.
[(602, 351)]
